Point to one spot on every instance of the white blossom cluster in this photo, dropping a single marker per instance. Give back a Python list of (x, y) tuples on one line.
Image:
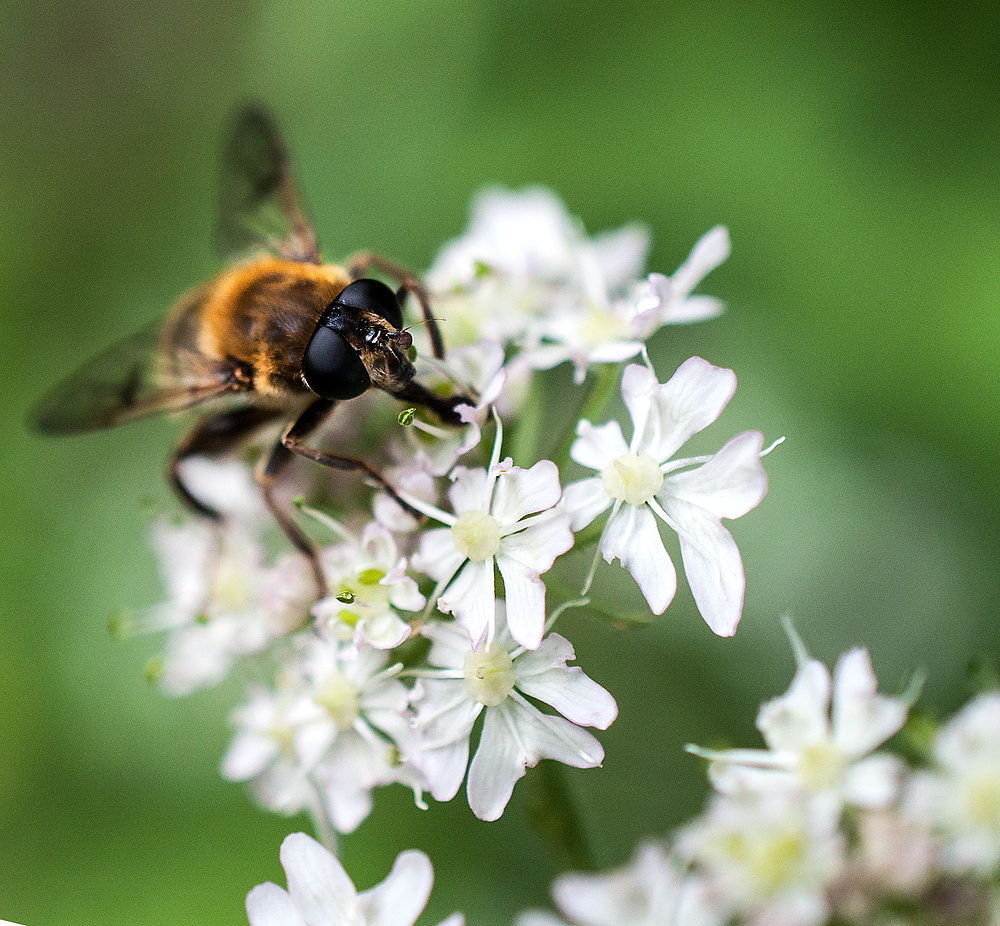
[(824, 826), (435, 621)]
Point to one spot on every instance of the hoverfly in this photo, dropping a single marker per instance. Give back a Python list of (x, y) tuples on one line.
[(283, 335)]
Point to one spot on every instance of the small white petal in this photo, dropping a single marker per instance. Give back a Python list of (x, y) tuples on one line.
[(525, 595), (710, 250), (504, 754), (521, 492), (544, 675), (438, 555), (729, 485), (631, 535), (712, 565), (621, 254), (862, 719), (687, 403), (471, 598), (317, 882), (469, 490), (596, 446), (269, 905), (798, 718), (402, 896), (536, 547), (874, 783), (384, 631), (585, 500)]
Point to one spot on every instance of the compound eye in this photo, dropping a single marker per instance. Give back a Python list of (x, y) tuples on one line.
[(373, 296), (332, 368)]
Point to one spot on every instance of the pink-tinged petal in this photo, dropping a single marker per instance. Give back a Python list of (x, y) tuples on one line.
[(317, 882), (632, 537), (862, 719), (799, 717), (730, 484), (471, 598), (269, 905), (874, 783), (537, 546), (688, 402), (525, 595), (469, 490), (438, 556), (597, 445), (712, 565), (710, 250), (521, 492), (514, 738), (402, 896), (544, 675), (584, 501)]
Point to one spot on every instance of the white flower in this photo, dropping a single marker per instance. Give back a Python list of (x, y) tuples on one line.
[(768, 858), (612, 321), (638, 480), (326, 737), (652, 890), (503, 518), (515, 734), (369, 585), (960, 798), (321, 894), (820, 747)]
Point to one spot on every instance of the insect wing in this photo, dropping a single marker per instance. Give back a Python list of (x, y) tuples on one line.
[(259, 207), (129, 380)]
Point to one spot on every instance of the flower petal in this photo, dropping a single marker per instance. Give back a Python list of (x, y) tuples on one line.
[(873, 783), (862, 719), (469, 490), (269, 905), (544, 675), (525, 595), (536, 547), (317, 882), (402, 896), (521, 492), (585, 500), (712, 565), (514, 737), (597, 445), (438, 555), (730, 484), (471, 598), (631, 535), (798, 718), (688, 402), (710, 250)]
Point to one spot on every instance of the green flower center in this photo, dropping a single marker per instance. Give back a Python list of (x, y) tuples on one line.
[(632, 478), (489, 675), (477, 535)]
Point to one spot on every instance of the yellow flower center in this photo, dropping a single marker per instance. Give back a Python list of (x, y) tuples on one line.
[(981, 800), (489, 675), (477, 535), (340, 699), (632, 478), (822, 766)]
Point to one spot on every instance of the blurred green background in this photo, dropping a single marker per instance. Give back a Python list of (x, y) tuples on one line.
[(852, 150)]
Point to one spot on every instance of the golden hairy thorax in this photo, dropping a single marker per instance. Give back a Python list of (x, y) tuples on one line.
[(259, 316)]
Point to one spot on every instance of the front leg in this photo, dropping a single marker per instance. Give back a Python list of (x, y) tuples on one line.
[(359, 266)]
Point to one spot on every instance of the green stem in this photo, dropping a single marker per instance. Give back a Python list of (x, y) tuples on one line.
[(605, 380)]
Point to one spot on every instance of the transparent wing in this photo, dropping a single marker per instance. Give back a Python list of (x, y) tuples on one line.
[(127, 381), (259, 207)]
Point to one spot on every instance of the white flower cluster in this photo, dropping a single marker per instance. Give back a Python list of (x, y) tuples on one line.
[(435, 621), (822, 827)]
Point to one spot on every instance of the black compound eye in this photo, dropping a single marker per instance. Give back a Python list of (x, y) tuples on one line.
[(332, 368), (373, 296)]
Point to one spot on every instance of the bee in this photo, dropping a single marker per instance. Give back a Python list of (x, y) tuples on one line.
[(276, 336)]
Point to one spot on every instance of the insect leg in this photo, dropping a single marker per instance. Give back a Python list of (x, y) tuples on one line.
[(212, 436), (270, 468), (359, 266)]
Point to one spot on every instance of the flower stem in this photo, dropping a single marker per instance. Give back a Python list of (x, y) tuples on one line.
[(605, 379)]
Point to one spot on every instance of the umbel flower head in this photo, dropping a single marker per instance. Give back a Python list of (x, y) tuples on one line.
[(639, 482)]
